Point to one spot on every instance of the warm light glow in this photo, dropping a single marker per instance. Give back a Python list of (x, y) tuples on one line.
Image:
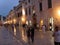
[(8, 22), (27, 22), (30, 22), (5, 22), (33, 11), (23, 19), (14, 21), (14, 30), (51, 20), (41, 22), (24, 38), (23, 11), (56, 16), (11, 21), (58, 12)]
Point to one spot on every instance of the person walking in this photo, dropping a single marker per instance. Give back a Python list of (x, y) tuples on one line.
[(43, 28), (28, 34), (32, 33), (56, 36)]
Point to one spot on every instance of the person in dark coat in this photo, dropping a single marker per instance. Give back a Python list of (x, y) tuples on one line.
[(28, 34), (32, 33)]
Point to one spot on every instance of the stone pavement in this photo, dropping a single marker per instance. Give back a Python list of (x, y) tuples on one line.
[(42, 38), (6, 38)]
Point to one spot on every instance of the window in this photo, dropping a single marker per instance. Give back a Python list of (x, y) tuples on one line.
[(26, 11), (29, 1), (29, 11), (40, 6), (49, 4), (19, 14)]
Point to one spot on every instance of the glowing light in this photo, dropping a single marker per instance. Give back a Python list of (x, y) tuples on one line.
[(41, 22), (23, 11), (5, 22), (27, 22), (24, 38), (30, 22), (58, 12), (11, 21), (33, 11), (14, 21), (23, 19), (14, 30)]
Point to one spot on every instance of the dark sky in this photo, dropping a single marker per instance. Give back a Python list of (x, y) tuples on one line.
[(6, 6)]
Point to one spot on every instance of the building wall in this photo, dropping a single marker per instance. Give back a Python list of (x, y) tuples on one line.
[(47, 13), (42, 17)]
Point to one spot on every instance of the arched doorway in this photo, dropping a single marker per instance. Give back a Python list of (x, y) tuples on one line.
[(51, 24)]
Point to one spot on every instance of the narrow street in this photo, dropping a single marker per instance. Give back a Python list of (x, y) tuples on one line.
[(6, 38), (30, 22)]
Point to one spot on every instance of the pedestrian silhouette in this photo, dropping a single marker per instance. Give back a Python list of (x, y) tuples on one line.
[(32, 33), (56, 36), (28, 34), (44, 28)]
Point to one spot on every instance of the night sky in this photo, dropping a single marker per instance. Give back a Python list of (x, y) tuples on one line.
[(6, 6)]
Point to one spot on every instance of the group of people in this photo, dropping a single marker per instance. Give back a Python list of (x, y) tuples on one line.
[(30, 33)]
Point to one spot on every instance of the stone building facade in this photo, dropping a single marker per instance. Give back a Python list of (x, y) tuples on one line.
[(39, 12), (46, 11)]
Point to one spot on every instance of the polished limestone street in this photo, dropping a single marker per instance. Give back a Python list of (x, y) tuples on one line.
[(6, 38), (40, 38)]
